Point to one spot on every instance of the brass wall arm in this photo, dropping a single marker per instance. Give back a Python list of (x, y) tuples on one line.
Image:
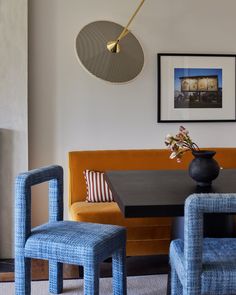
[(113, 46)]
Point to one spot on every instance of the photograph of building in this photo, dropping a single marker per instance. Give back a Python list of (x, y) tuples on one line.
[(198, 88)]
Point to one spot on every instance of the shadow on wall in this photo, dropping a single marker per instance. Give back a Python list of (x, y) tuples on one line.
[(44, 77), (10, 163), (6, 190)]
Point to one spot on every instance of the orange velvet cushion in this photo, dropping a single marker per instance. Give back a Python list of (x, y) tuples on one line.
[(105, 212)]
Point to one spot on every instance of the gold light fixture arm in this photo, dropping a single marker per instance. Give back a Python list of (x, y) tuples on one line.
[(125, 31), (113, 46)]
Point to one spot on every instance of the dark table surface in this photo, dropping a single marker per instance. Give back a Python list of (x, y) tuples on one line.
[(152, 193)]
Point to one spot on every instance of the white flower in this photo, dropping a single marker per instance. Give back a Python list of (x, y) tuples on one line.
[(180, 143), (173, 155)]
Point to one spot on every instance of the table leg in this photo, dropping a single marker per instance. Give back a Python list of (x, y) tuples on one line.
[(219, 226), (81, 271)]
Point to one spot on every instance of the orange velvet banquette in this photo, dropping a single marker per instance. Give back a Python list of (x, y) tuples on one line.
[(145, 236)]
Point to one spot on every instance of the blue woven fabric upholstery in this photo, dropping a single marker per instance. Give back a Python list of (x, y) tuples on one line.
[(59, 241), (203, 265)]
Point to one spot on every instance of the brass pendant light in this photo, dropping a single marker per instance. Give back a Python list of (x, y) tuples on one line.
[(106, 56)]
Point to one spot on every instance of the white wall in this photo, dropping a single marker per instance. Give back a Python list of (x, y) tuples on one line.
[(13, 111), (70, 110)]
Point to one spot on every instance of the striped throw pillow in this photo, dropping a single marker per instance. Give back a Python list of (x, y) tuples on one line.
[(97, 188)]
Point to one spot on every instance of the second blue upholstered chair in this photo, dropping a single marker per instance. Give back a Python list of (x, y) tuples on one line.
[(204, 265), (59, 241)]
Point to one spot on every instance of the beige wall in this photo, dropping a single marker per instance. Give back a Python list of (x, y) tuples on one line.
[(70, 110), (13, 111)]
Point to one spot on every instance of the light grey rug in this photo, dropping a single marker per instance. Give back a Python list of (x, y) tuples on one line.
[(142, 285)]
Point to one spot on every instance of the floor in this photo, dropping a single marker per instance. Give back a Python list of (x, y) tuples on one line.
[(141, 265)]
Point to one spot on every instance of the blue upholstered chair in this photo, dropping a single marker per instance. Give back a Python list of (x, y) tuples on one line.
[(59, 241), (204, 265)]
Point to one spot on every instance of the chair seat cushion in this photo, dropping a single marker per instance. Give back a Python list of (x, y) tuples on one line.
[(74, 242), (219, 264)]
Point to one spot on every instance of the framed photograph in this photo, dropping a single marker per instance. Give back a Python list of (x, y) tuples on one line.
[(196, 88)]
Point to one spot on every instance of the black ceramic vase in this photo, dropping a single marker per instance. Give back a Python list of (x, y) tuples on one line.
[(203, 168)]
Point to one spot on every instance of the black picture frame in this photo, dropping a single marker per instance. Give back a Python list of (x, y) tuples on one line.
[(178, 105)]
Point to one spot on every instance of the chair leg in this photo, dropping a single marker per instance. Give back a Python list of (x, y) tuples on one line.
[(22, 275), (176, 286), (91, 279), (119, 272), (55, 277)]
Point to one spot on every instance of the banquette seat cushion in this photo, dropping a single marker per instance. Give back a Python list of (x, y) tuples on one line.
[(146, 236)]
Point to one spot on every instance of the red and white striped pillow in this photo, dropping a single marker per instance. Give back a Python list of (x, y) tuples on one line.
[(97, 188)]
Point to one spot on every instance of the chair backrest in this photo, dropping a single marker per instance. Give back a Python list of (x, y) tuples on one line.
[(24, 181), (195, 207)]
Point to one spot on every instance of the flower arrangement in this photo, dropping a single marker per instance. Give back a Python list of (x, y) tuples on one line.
[(180, 143)]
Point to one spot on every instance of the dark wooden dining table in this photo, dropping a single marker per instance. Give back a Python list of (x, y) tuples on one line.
[(162, 193), (153, 193)]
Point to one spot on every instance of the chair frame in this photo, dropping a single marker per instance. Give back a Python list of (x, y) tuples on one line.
[(24, 181), (195, 207), (54, 176)]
